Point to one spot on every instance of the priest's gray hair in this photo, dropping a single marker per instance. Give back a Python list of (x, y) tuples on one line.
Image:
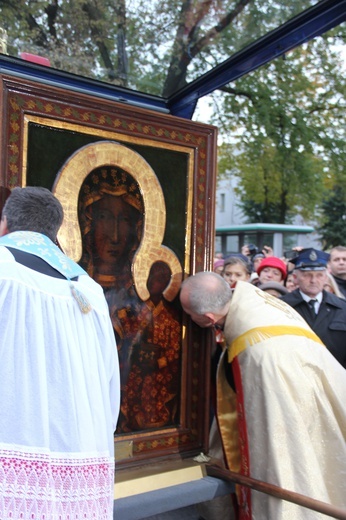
[(207, 292), (33, 209)]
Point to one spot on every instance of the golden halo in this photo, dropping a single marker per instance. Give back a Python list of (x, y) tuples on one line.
[(67, 187)]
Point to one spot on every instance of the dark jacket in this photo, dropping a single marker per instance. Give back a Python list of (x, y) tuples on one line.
[(329, 324), (341, 284)]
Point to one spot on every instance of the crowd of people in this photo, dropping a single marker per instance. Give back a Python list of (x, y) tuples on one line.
[(280, 396), (300, 276), (280, 359), (281, 355), (265, 267)]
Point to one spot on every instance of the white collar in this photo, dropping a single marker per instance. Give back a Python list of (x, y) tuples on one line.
[(307, 298)]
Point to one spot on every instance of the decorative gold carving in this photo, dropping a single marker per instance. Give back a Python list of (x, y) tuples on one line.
[(123, 450)]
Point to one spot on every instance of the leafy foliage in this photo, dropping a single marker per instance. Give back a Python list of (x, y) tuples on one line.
[(155, 46), (333, 228), (283, 126), (287, 124)]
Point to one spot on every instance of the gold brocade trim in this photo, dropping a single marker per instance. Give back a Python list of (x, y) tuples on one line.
[(258, 334), (227, 417), (156, 309)]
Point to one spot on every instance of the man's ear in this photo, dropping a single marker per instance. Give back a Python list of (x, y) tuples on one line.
[(211, 317), (3, 226)]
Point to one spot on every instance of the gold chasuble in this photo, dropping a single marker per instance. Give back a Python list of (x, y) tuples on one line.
[(285, 423)]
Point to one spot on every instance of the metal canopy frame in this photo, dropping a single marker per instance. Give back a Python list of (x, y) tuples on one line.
[(310, 23)]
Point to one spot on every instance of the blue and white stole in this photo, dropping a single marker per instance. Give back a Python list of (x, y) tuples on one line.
[(41, 246)]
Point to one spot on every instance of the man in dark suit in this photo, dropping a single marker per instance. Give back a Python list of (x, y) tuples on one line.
[(323, 311), (337, 267)]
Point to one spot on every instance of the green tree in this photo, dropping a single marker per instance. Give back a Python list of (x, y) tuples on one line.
[(287, 125), (155, 46), (286, 120), (333, 227)]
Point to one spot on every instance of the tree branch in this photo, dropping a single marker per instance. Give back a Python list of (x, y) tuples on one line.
[(217, 29), (322, 108), (51, 11), (95, 16), (235, 92), (184, 50)]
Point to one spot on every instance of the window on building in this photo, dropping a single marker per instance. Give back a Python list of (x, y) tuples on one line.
[(232, 244), (222, 202)]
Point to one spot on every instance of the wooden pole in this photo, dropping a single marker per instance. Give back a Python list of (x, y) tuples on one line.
[(276, 491)]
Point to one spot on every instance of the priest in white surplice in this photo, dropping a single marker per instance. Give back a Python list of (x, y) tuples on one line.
[(59, 374)]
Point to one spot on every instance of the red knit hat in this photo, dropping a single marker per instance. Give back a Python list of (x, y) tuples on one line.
[(273, 261)]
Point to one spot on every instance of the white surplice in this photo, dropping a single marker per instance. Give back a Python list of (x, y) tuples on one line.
[(59, 380), (286, 425)]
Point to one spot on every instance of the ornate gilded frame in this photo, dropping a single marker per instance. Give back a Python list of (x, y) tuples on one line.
[(31, 114)]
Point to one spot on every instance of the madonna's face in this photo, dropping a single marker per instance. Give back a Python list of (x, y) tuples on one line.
[(114, 233)]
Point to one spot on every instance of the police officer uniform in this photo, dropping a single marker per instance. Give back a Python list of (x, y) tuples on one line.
[(326, 316)]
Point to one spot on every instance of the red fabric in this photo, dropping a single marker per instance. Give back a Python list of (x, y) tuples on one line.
[(40, 60), (273, 261), (243, 493)]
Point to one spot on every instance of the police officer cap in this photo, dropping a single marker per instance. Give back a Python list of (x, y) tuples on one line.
[(310, 260)]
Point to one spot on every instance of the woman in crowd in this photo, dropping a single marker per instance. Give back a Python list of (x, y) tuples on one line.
[(236, 268), (272, 269), (290, 283), (332, 287), (218, 265)]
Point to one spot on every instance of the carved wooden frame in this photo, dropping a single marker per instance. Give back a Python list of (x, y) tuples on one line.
[(29, 107)]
